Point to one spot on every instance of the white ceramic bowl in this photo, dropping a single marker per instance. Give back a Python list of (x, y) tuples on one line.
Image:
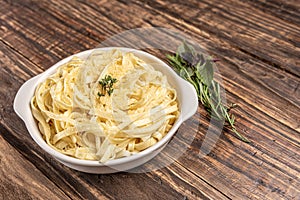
[(187, 99)]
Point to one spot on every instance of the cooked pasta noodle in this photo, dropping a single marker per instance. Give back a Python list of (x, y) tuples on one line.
[(76, 121)]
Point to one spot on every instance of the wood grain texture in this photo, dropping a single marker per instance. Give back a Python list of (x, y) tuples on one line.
[(20, 179), (258, 45)]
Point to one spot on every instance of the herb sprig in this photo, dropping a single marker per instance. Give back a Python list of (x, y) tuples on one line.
[(198, 70), (107, 85)]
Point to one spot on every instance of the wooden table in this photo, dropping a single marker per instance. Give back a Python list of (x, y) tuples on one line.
[(258, 45)]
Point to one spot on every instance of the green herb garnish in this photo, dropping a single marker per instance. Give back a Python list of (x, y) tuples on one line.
[(107, 85), (198, 70)]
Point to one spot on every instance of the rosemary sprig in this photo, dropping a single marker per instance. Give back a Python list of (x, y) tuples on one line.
[(107, 85), (198, 70)]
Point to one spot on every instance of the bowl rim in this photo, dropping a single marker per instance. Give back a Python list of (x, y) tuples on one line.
[(35, 132)]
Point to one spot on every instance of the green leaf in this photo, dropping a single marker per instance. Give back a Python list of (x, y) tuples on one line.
[(107, 84), (174, 62), (190, 71), (206, 72), (186, 52), (185, 48), (183, 74), (198, 72)]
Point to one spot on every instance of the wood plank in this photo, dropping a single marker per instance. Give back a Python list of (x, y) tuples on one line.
[(46, 41), (191, 186), (251, 29), (240, 171), (238, 158), (285, 10), (20, 179)]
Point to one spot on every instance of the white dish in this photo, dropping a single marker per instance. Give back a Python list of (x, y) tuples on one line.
[(187, 99)]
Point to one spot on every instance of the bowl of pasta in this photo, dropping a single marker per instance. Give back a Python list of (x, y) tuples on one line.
[(105, 110)]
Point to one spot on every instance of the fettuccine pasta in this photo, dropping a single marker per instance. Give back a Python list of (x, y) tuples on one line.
[(78, 117)]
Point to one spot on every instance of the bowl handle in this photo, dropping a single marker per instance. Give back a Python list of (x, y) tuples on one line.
[(189, 100), (23, 93)]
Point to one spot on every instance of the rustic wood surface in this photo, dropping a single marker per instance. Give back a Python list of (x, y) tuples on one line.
[(258, 44)]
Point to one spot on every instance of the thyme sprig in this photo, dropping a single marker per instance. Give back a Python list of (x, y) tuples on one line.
[(107, 85), (198, 70)]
